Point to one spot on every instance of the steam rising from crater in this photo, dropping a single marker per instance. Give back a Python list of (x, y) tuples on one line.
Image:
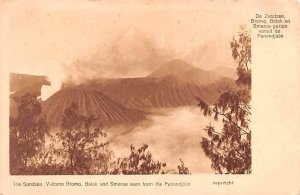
[(130, 54), (56, 79)]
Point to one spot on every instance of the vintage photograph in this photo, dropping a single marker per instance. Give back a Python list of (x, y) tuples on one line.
[(129, 90)]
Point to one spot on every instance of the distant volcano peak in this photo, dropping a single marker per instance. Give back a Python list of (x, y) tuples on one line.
[(173, 67)]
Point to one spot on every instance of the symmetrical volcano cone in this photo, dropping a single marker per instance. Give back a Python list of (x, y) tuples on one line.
[(90, 102)]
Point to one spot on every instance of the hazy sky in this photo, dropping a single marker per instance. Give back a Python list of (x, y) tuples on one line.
[(95, 38)]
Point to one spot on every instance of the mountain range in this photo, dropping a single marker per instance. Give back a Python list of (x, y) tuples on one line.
[(177, 83), (126, 100)]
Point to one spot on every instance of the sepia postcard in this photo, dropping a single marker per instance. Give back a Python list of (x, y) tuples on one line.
[(150, 97)]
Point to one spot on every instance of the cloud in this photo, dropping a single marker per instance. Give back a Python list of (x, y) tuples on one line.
[(171, 134)]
